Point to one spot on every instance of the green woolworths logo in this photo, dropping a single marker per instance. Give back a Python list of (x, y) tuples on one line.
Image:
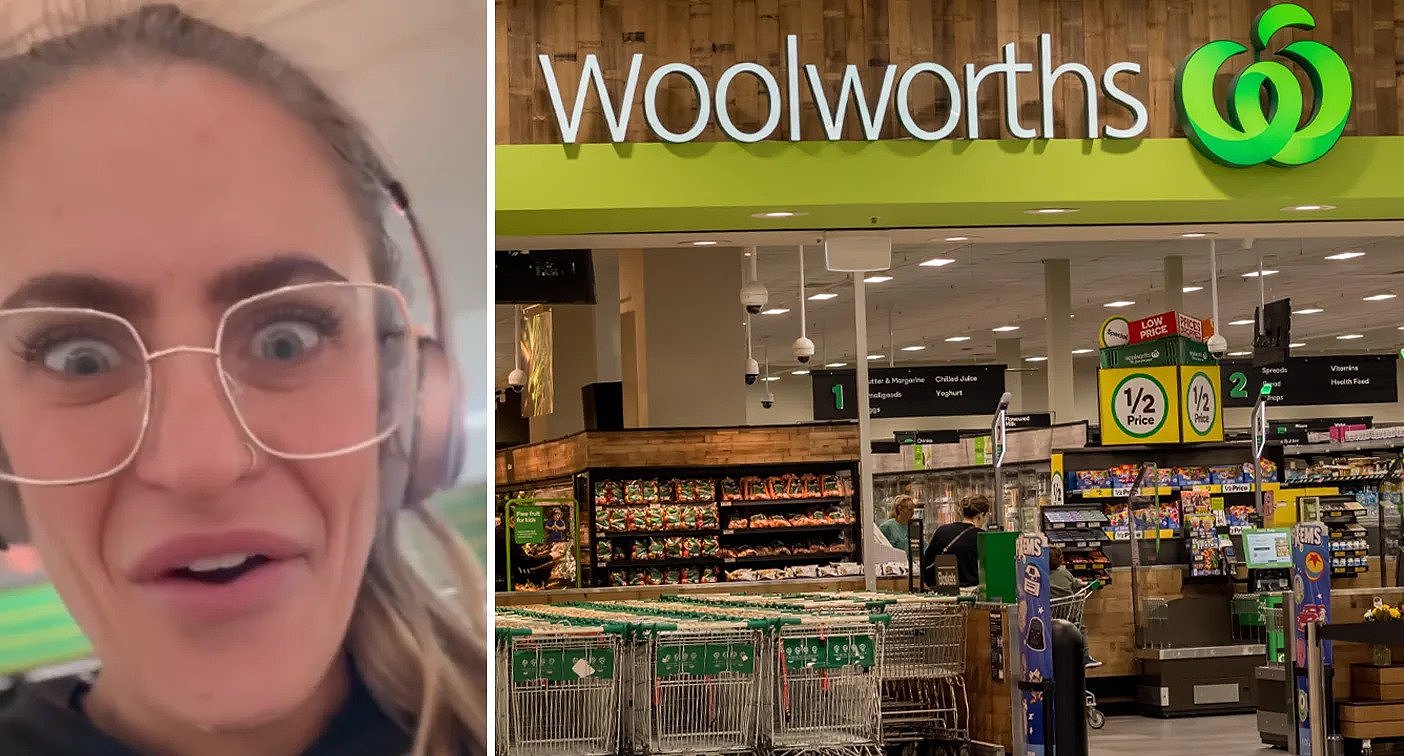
[(1252, 135)]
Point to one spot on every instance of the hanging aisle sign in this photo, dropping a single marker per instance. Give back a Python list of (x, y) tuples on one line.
[(1309, 381), (936, 391)]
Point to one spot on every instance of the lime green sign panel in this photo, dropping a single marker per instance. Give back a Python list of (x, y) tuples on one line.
[(1255, 131)]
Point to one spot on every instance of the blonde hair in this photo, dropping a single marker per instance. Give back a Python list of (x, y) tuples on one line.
[(421, 653)]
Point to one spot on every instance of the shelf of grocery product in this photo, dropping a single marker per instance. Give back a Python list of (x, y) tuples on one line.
[(656, 533), (1077, 539), (784, 557), (619, 564), (797, 501), (1334, 480), (1213, 488), (787, 530)]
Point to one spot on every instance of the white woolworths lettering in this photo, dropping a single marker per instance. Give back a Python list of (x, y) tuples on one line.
[(871, 112)]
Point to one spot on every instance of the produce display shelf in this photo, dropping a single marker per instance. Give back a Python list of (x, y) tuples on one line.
[(659, 503), (783, 502), (830, 555), (671, 562), (691, 532), (792, 529)]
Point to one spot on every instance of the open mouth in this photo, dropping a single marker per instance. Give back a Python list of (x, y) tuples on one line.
[(219, 570)]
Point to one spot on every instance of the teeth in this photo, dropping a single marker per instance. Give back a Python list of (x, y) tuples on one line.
[(222, 562)]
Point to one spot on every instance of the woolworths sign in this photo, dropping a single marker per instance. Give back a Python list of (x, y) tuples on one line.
[(1259, 123)]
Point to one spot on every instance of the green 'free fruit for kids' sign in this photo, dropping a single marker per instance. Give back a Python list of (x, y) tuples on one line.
[(1256, 131)]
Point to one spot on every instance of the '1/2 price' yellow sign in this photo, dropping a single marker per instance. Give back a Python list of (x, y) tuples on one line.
[(1159, 405)]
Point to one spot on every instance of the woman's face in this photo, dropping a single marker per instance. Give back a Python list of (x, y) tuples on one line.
[(163, 195)]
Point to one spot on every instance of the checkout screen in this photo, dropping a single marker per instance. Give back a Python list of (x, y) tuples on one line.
[(1268, 549)]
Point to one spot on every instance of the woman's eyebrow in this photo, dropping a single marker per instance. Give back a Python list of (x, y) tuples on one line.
[(80, 290), (248, 280)]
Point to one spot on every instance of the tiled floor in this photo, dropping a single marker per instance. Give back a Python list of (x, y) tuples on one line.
[(1142, 736)]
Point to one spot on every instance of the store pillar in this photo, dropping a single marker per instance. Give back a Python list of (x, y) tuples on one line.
[(1057, 284), (1010, 353), (682, 343), (1173, 299), (586, 350)]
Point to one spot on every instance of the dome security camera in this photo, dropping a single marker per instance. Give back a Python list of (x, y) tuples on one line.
[(517, 379), (754, 295), (1218, 346), (752, 371), (768, 400), (804, 349)]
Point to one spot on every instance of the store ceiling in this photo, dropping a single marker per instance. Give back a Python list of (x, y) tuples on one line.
[(1001, 283)]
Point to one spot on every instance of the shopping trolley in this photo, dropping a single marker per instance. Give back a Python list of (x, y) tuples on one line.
[(822, 675), (1071, 608), (692, 684), (558, 688)]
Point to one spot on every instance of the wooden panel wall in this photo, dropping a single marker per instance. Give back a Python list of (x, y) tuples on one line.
[(713, 34), (702, 447)]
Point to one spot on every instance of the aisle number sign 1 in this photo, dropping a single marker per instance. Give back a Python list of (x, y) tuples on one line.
[(1139, 405)]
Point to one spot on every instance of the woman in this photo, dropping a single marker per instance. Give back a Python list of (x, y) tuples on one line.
[(895, 528), (211, 408), (958, 539)]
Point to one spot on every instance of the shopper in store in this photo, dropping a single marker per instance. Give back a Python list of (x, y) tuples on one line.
[(959, 540), (895, 528), (1062, 584), (217, 410)]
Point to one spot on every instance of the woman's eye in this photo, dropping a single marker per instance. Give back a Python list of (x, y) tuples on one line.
[(285, 341), (82, 358)]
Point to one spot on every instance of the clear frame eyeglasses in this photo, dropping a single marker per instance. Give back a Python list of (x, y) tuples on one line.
[(310, 371)]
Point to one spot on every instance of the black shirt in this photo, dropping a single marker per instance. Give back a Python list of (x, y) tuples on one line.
[(957, 539), (46, 719)]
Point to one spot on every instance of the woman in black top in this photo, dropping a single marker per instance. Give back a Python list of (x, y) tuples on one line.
[(219, 408), (958, 539)]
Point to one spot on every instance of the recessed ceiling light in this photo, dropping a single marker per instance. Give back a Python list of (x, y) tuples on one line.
[(1380, 297), (1245, 321), (876, 356), (1240, 354), (1310, 310), (1083, 351), (957, 339), (937, 262), (1297, 344), (1265, 273), (1351, 255), (1307, 208), (775, 311), (877, 279), (1196, 234), (1191, 289), (1050, 211), (701, 243), (1120, 303), (1004, 329), (1350, 337), (913, 348), (1035, 359), (958, 238), (773, 214), (772, 378), (801, 371), (822, 296), (835, 364)]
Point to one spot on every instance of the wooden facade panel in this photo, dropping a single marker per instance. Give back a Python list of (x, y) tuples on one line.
[(711, 35)]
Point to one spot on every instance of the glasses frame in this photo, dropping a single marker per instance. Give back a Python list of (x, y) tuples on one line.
[(226, 383)]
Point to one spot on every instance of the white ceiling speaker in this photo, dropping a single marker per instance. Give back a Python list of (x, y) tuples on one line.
[(517, 378), (857, 254)]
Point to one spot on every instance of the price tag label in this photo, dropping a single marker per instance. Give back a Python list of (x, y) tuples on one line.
[(1201, 402)]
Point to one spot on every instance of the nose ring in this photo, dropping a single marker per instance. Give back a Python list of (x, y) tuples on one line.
[(253, 458)]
